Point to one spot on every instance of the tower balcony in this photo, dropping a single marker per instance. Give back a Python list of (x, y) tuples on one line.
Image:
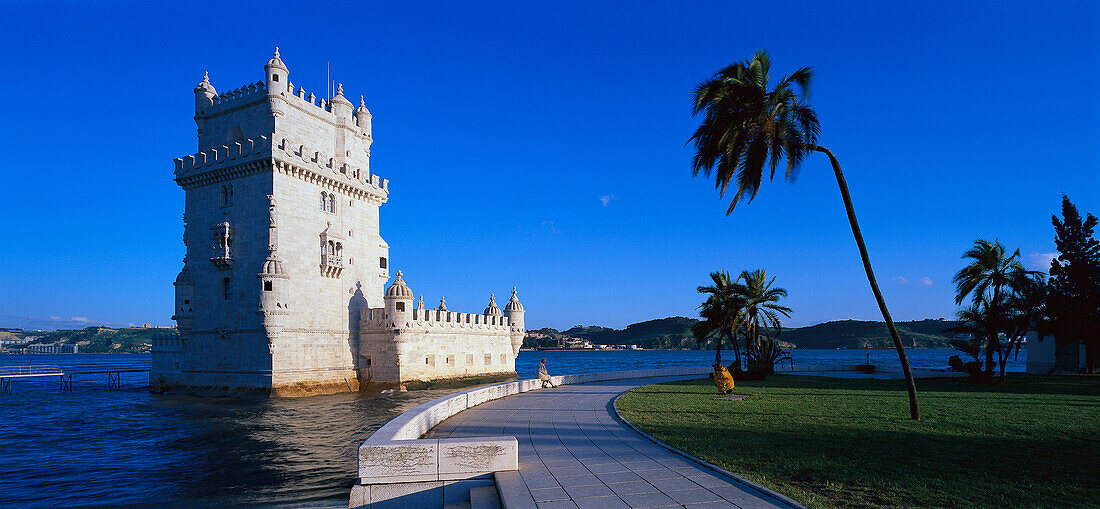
[(332, 265), (222, 262)]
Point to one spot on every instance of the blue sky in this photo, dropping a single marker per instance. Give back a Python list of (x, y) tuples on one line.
[(542, 145)]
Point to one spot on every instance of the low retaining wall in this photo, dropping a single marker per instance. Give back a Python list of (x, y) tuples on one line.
[(398, 469)]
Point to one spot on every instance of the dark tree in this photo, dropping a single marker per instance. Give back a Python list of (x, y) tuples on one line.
[(1074, 301)]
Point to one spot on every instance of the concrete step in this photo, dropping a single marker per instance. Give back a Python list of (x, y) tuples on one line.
[(457, 505), (484, 497), (513, 491)]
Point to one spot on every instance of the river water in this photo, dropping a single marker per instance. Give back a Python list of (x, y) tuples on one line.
[(95, 446)]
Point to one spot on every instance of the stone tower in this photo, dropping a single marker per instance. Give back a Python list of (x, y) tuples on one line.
[(283, 250)]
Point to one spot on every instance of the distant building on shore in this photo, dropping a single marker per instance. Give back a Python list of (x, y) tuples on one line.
[(281, 291), (52, 348), (1048, 356)]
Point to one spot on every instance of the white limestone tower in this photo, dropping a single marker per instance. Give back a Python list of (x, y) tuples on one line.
[(283, 245)]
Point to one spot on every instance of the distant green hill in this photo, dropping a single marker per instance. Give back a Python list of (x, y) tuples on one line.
[(864, 334), (102, 339), (675, 332)]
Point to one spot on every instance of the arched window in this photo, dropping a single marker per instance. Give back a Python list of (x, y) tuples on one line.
[(332, 203), (227, 289), (324, 200)]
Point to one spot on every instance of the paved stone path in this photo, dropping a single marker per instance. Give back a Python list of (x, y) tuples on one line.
[(574, 453)]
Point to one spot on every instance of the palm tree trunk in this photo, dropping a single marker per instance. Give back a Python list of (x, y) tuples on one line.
[(718, 348), (736, 354), (911, 386)]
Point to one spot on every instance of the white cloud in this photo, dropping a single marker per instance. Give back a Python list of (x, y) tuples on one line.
[(901, 280), (924, 281), (1041, 261), (550, 225), (606, 198), (81, 319)]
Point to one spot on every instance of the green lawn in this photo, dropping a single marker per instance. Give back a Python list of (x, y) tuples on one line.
[(1032, 442)]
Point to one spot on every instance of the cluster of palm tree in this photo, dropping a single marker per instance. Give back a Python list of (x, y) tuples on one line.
[(746, 307), (749, 127), (1007, 301)]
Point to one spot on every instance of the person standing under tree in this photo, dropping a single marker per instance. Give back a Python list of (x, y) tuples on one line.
[(544, 376)]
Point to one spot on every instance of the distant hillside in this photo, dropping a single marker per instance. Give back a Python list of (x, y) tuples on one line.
[(675, 332), (672, 332), (862, 334), (101, 339)]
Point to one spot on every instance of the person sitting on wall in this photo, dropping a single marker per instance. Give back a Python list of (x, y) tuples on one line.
[(544, 376)]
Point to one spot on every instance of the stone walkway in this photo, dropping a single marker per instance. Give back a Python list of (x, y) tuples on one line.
[(574, 453)]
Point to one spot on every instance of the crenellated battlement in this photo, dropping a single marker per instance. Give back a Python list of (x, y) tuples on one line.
[(329, 165), (431, 319), (217, 156), (247, 94), (297, 154)]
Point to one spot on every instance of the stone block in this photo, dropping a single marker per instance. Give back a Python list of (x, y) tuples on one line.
[(464, 457), (406, 495), (360, 497), (400, 460), (459, 491)]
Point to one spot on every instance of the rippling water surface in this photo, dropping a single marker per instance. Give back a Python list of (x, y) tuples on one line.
[(126, 447)]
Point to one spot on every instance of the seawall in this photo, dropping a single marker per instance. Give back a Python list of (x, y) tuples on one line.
[(394, 464)]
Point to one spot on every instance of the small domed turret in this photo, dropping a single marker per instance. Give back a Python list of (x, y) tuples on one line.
[(492, 309), (514, 312), (204, 94), (399, 289), (278, 76), (399, 300), (340, 105), (513, 303), (442, 304), (362, 117)]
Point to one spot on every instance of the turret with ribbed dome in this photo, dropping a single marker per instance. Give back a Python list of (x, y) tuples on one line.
[(514, 311), (399, 299), (492, 309)]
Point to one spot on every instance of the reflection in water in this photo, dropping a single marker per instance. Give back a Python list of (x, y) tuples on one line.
[(99, 447)]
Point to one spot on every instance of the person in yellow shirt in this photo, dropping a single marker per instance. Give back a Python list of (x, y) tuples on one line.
[(723, 379)]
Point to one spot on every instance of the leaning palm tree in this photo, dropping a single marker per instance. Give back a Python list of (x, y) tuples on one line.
[(988, 278), (721, 313), (761, 309), (748, 126)]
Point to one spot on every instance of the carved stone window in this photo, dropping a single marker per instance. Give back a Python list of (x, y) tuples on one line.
[(227, 195), (227, 289), (328, 202)]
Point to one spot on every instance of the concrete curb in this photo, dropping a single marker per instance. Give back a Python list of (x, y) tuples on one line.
[(711, 466)]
